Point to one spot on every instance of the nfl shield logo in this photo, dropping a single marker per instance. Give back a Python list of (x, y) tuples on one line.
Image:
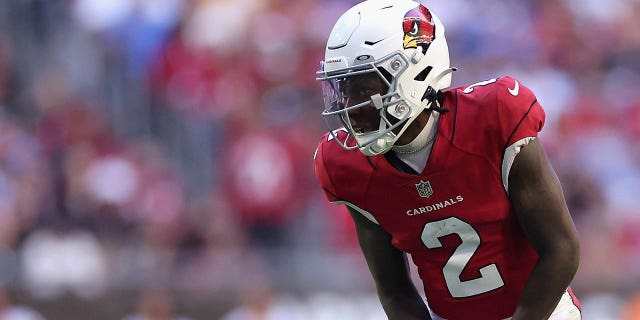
[(424, 189)]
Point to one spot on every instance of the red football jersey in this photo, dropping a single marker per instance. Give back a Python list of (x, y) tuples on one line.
[(454, 218)]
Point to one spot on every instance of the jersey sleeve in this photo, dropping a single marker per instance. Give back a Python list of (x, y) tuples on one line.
[(321, 171), (520, 114), (521, 118)]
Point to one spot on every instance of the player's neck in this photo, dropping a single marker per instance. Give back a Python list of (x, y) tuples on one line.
[(417, 151), (424, 137)]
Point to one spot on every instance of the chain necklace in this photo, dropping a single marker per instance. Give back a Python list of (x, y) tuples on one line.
[(424, 138)]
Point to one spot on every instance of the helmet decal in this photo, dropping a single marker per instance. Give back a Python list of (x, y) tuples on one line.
[(418, 27)]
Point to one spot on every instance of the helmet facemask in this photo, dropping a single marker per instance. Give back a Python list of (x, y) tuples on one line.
[(364, 92)]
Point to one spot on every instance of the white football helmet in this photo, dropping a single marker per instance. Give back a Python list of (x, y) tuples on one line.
[(401, 43)]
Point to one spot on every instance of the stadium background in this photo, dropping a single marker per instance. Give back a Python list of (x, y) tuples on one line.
[(156, 155)]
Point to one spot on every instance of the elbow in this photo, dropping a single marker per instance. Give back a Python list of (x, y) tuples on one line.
[(565, 255), (573, 254), (569, 260), (569, 249)]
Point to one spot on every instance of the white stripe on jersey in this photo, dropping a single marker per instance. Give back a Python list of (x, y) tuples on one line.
[(510, 154), (361, 211)]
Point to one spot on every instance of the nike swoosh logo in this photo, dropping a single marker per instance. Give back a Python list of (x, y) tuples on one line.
[(370, 43), (515, 90)]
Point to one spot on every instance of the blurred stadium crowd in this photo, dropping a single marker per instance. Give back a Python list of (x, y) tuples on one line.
[(156, 155)]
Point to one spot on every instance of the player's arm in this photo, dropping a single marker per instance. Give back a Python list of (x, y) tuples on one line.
[(390, 270), (539, 203)]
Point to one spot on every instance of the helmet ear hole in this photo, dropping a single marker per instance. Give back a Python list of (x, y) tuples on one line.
[(423, 74)]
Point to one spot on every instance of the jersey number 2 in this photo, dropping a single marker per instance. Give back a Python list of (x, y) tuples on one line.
[(489, 279)]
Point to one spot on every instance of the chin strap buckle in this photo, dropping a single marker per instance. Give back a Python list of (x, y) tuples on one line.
[(432, 99)]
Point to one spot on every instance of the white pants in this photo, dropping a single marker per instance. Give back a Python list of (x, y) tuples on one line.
[(565, 310)]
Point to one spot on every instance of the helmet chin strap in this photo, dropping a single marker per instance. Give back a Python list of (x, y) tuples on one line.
[(380, 146)]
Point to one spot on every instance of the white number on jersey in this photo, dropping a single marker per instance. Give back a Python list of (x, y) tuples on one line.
[(330, 137), (489, 279), (469, 89), (334, 133)]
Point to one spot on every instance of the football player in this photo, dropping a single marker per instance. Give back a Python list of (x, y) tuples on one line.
[(454, 177)]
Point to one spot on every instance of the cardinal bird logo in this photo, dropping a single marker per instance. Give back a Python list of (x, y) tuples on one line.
[(418, 27)]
